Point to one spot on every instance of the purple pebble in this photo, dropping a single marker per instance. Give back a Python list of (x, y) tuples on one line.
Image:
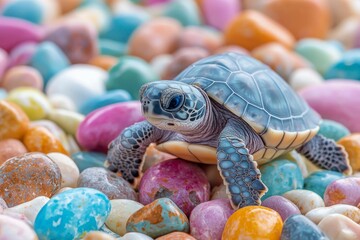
[(283, 206), (181, 181), (208, 219)]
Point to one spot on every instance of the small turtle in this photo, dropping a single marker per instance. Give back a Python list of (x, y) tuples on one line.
[(230, 110)]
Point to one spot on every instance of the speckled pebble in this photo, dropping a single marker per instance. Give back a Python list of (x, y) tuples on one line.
[(28, 176), (14, 229), (158, 218), (121, 210), (14, 121), (72, 213), (283, 206), (343, 191), (11, 148), (317, 214), (69, 170), (299, 227), (30, 209), (339, 227), (319, 180), (112, 185), (332, 129), (305, 200)]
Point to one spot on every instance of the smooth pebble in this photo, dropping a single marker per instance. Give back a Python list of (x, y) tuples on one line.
[(218, 14), (11, 148), (305, 200), (339, 227), (319, 180), (332, 129), (283, 206), (22, 76), (15, 229), (304, 77), (14, 121), (185, 11), (69, 171), (85, 160), (177, 236), (351, 143), (343, 191), (317, 214)]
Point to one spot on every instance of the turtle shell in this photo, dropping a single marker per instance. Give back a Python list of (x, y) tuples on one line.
[(258, 95)]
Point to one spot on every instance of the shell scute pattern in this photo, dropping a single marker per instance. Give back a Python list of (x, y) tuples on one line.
[(251, 90)]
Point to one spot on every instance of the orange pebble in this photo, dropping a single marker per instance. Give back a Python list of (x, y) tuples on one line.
[(159, 36), (251, 29), (68, 5), (303, 18), (253, 222), (14, 122), (39, 139), (279, 58), (351, 144), (22, 76), (176, 236), (11, 148), (103, 61)]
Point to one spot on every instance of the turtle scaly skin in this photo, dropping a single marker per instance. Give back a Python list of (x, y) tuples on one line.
[(230, 110)]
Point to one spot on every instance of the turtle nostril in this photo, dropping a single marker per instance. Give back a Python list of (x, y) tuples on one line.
[(171, 124)]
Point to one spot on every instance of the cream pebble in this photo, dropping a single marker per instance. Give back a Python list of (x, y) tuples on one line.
[(316, 215), (59, 101), (69, 171), (15, 229), (339, 227), (61, 190), (304, 77), (30, 209), (67, 120), (121, 210), (305, 200)]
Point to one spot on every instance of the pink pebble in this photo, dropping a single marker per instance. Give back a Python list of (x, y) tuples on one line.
[(343, 191), (336, 100), (357, 38), (153, 2), (21, 54), (3, 62), (103, 125), (208, 219), (219, 13), (14, 31), (22, 76)]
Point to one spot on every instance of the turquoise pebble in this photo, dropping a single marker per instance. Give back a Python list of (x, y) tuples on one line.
[(318, 181), (45, 57), (320, 53), (111, 97), (72, 213), (122, 26), (29, 10), (299, 227), (130, 73), (112, 48), (333, 130), (281, 176), (346, 68), (185, 11), (84, 160), (158, 218)]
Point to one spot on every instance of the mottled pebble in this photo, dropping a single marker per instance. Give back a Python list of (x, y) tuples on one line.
[(343, 191), (305, 200), (317, 214), (283, 206)]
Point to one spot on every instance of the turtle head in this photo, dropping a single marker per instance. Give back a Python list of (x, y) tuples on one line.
[(173, 105)]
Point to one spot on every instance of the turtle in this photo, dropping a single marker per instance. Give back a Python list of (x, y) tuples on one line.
[(231, 110)]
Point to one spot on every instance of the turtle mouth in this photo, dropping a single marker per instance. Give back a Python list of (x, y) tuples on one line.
[(170, 124)]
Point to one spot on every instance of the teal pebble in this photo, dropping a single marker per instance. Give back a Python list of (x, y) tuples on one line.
[(346, 68), (122, 26), (112, 48), (170, 220), (111, 97), (129, 74), (333, 130), (84, 160), (320, 53), (281, 176), (185, 11), (299, 227), (72, 213), (49, 59), (318, 181), (29, 10)]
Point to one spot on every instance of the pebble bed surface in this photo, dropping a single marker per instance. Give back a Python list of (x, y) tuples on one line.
[(70, 74)]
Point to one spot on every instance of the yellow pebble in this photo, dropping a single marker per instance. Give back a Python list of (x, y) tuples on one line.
[(351, 144), (253, 222)]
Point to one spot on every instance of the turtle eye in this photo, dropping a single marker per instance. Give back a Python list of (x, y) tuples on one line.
[(175, 102)]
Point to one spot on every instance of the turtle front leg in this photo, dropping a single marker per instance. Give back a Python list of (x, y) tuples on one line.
[(125, 153), (240, 173)]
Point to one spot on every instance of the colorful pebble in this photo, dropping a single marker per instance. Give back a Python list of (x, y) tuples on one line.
[(28, 176), (219, 14), (316, 215), (318, 181), (72, 213), (343, 191), (346, 67), (339, 227), (185, 11), (21, 54), (351, 144), (305, 200), (253, 222), (158, 218), (34, 12), (176, 235), (283, 206)]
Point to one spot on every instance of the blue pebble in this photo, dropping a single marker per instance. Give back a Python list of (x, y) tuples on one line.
[(346, 68), (122, 26), (281, 176), (29, 10), (111, 97), (318, 181), (84, 160), (72, 213), (112, 48), (333, 130), (49, 59), (299, 227)]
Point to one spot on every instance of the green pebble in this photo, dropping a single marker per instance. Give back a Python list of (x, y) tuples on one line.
[(69, 121), (333, 130), (318, 181), (112, 48), (185, 11), (320, 53), (129, 74)]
